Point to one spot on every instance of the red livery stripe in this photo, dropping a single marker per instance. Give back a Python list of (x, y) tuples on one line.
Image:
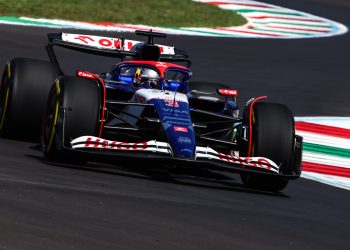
[(301, 29), (248, 32), (326, 169), (106, 24), (287, 18), (240, 4), (323, 129)]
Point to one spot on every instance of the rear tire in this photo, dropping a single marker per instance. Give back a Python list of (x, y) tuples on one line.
[(73, 110), (273, 138), (25, 85)]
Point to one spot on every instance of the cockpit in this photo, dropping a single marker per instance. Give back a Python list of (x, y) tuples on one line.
[(146, 76)]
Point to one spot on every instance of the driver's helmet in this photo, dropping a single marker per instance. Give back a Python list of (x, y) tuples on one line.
[(145, 77)]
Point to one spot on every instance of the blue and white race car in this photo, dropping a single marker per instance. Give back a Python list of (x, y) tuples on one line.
[(146, 107)]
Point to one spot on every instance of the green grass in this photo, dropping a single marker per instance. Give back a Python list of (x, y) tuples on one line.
[(165, 13)]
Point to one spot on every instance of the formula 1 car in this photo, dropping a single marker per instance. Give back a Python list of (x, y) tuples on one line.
[(147, 107)]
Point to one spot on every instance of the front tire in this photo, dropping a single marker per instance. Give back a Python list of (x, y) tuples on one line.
[(73, 110), (273, 137)]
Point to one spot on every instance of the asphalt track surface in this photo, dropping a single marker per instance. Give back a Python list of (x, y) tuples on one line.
[(45, 206)]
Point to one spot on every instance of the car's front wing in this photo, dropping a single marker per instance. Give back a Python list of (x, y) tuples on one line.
[(163, 149)]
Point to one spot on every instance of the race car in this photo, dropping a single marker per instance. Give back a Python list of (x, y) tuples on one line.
[(146, 106)]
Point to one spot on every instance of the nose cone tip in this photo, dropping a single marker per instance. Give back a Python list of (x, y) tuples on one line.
[(183, 151), (186, 153)]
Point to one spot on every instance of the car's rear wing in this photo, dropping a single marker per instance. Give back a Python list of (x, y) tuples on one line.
[(113, 47)]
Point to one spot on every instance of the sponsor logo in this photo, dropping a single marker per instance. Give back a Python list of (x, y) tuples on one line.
[(227, 92), (103, 42), (100, 143), (171, 103), (180, 129), (161, 64), (185, 140), (86, 75), (249, 101), (111, 43), (85, 39), (254, 99), (259, 163), (176, 111)]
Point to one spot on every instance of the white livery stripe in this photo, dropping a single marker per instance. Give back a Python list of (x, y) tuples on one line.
[(324, 140), (326, 159), (341, 182), (340, 122)]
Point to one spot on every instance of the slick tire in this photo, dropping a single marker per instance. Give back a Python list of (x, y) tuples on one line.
[(273, 138), (24, 88), (73, 110)]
